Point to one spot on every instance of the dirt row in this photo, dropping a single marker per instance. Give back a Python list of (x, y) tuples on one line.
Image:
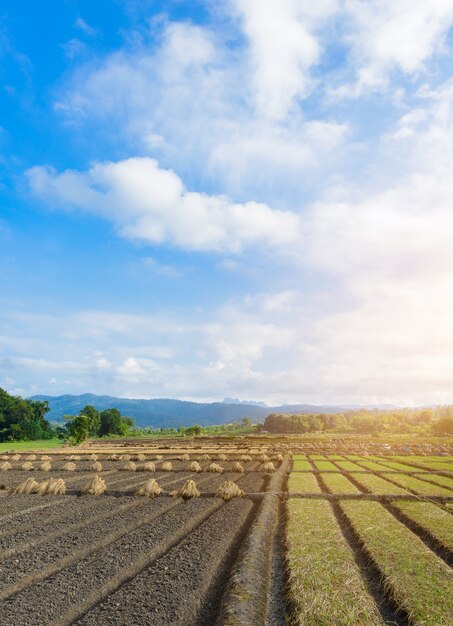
[(120, 559)]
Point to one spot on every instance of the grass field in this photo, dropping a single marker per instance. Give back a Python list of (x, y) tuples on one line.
[(44, 444), (394, 556)]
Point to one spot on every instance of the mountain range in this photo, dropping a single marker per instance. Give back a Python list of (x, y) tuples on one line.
[(165, 412)]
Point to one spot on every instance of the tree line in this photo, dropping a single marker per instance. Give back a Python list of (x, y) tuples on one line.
[(437, 421), (24, 420)]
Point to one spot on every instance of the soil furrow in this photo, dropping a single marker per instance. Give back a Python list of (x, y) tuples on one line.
[(16, 576)]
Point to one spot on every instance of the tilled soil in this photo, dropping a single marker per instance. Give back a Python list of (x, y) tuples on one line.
[(118, 558)]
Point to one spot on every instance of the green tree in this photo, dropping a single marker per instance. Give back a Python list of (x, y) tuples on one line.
[(79, 428), (95, 419)]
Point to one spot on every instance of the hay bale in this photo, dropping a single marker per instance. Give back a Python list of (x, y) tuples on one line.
[(159, 457), (113, 457), (54, 486), (237, 467), (45, 467), (31, 457), (245, 458), (277, 457), (96, 467), (15, 457), (187, 491), (140, 457), (194, 466), (46, 457), (229, 490), (28, 486), (130, 467), (93, 457), (69, 467), (267, 467), (166, 466), (150, 489), (263, 458), (183, 457), (204, 457), (27, 466), (126, 457), (215, 469), (5, 466), (149, 466), (96, 487), (73, 457), (222, 457)]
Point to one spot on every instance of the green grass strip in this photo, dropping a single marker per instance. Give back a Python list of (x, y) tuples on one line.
[(348, 466), (420, 486), (395, 466), (325, 465), (302, 465), (417, 579), (336, 483), (305, 483), (325, 583), (370, 465), (445, 481), (378, 485)]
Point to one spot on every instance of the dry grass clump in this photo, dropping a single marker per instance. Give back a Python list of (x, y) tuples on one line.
[(268, 467), (27, 466), (166, 466), (96, 487), (245, 458), (263, 458), (150, 489), (28, 486), (113, 457), (214, 468), (54, 486), (229, 490), (188, 490), (130, 467), (126, 457), (46, 466), (149, 466), (5, 466), (69, 467), (31, 457), (15, 457), (237, 467), (46, 457), (159, 457), (140, 457), (204, 457), (222, 457), (96, 467), (194, 466), (277, 457), (183, 457), (93, 457), (74, 457)]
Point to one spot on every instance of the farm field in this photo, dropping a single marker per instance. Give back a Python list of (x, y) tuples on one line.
[(326, 536)]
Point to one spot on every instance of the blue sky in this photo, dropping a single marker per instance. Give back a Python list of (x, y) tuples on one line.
[(236, 198)]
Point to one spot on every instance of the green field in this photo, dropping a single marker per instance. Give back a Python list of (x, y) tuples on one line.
[(405, 544), (43, 444)]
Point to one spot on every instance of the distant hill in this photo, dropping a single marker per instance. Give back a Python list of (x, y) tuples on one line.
[(164, 412)]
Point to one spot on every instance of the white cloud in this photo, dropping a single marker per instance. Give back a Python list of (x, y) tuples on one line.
[(150, 204), (82, 25), (388, 35), (283, 48)]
